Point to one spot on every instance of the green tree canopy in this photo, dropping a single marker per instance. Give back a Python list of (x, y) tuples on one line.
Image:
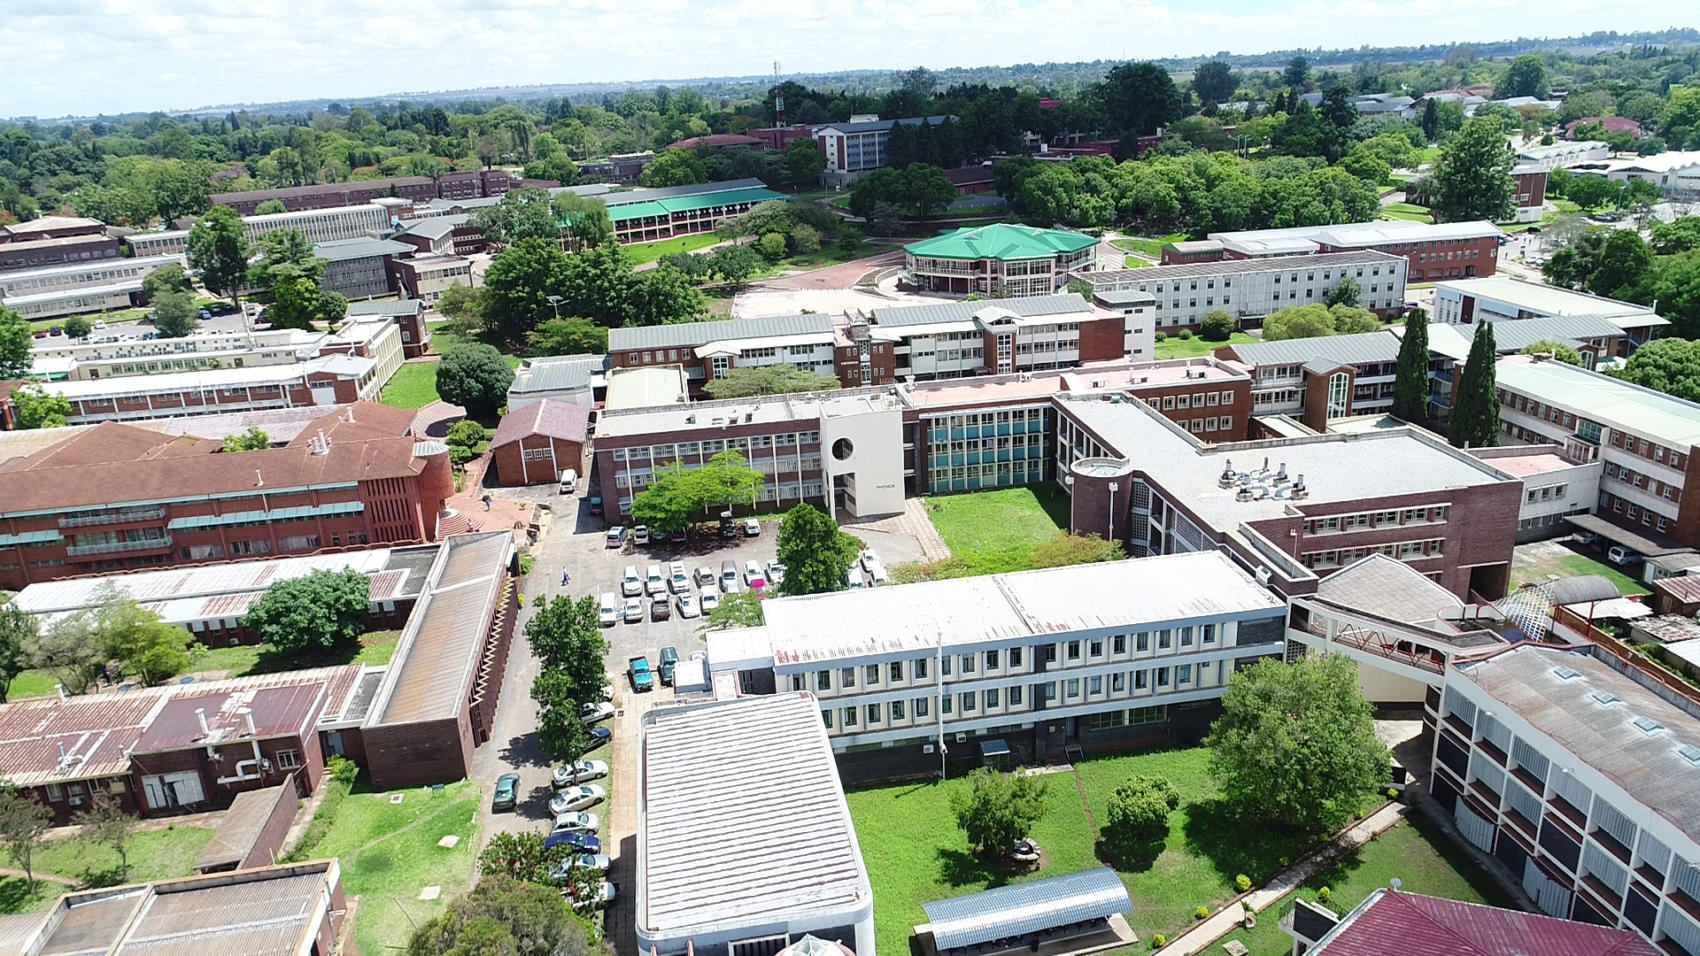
[(35, 407), (816, 554), (518, 285), (675, 167), (746, 380), (253, 438), (502, 916), (1475, 406), (679, 494), (167, 278), (735, 610), (476, 377), (1671, 366), (1137, 818), (1214, 82), (283, 255), (1296, 743), (997, 809), (174, 315), (78, 327), (16, 337), (567, 337), (219, 251), (1557, 350), (1473, 178), (24, 822), (1527, 76), (1348, 292), (147, 648), (1411, 386), (560, 731), (804, 162), (17, 630), (324, 609), (1298, 322), (566, 636)]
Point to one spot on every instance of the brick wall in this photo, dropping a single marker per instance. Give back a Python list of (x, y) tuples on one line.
[(418, 754), (1100, 340), (512, 469)]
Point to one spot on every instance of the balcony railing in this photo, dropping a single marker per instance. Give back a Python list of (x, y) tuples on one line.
[(1415, 656), (119, 547), (113, 517)]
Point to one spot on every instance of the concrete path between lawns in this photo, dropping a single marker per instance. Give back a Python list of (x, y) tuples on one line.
[(1232, 917)]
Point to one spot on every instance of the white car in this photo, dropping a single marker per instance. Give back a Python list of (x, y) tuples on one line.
[(688, 605), (775, 573), (710, 600), (609, 612), (604, 895), (677, 580), (705, 576), (640, 534), (607, 691), (598, 862), (630, 584), (752, 528), (730, 586), (868, 559), (576, 798), (579, 771), (592, 713), (634, 610), (577, 822), (654, 583)]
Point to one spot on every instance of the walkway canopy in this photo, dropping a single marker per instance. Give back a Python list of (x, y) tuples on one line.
[(1027, 908)]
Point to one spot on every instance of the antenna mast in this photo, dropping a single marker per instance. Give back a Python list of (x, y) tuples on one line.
[(778, 99)]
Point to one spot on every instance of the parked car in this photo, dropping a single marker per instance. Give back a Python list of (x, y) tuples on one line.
[(728, 527), (753, 573), (669, 662), (640, 534), (660, 607), (775, 573), (630, 584), (576, 798), (878, 574), (100, 325), (677, 537), (598, 737), (868, 558), (752, 528), (654, 583), (577, 823), (609, 611), (634, 610), (854, 579), (595, 504), (1619, 555), (730, 586), (642, 677), (569, 481), (705, 576), (699, 655), (688, 605), (560, 870), (579, 771), (583, 842), (677, 580), (728, 574), (616, 536), (710, 600), (591, 713), (507, 793), (604, 894)]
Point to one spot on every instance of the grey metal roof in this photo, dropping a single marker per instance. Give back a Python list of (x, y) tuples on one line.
[(1675, 562), (871, 126), (1580, 589), (1641, 411), (1649, 767), (342, 249), (1124, 297), (558, 373), (900, 316), (693, 334), (1390, 588), (675, 192), (435, 227), (1027, 908), (1326, 351), (401, 307), (1514, 336), (765, 837), (1234, 267)]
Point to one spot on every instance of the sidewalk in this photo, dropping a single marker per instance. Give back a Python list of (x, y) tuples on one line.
[(913, 521), (1231, 917)]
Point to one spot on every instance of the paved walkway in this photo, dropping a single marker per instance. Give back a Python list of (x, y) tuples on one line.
[(914, 523), (1232, 917)]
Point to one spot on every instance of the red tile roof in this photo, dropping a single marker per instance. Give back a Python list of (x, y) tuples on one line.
[(1392, 922), (563, 420)]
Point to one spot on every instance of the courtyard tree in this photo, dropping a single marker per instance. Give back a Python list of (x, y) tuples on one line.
[(33, 406), (23, 828), (174, 315), (1411, 387), (1348, 292), (69, 648), (107, 822), (17, 629), (168, 278), (679, 494), (1137, 819), (522, 856), (560, 731), (1296, 743), (735, 263), (147, 648), (78, 327), (502, 916), (1473, 178), (1558, 350), (476, 377), (998, 808), (253, 439), (1671, 366), (744, 381), (1298, 322), (1218, 327), (816, 554), (1475, 406), (566, 636), (322, 610), (16, 337), (567, 337), (219, 250)]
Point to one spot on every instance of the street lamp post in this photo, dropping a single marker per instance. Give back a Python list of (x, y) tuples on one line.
[(555, 303)]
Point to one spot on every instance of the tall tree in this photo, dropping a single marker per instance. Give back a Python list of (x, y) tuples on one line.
[(1527, 76), (502, 916), (16, 337), (560, 731), (17, 629), (476, 377), (816, 554), (1473, 178), (518, 285), (675, 167), (1411, 387), (1671, 366), (147, 648), (1138, 98), (1624, 268), (1296, 743), (1214, 83), (174, 315), (567, 337), (1297, 74), (804, 162), (322, 610), (35, 407), (998, 808), (69, 647), (23, 828), (219, 251), (1475, 403), (744, 381), (927, 187), (168, 278), (566, 636), (107, 822)]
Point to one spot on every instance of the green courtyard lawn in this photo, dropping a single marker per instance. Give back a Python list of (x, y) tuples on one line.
[(1424, 860), (1174, 347), (1134, 262), (31, 684), (154, 855), (414, 386), (991, 532), (640, 253), (1407, 211), (1150, 248), (1535, 564), (391, 851), (916, 854)]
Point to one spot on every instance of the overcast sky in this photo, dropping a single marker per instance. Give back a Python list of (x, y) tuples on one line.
[(81, 57)]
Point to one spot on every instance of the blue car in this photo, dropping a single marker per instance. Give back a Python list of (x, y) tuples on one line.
[(580, 842), (599, 736)]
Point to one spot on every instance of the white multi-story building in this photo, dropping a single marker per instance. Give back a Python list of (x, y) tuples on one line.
[(1503, 299), (1253, 288), (322, 225), (86, 287), (1090, 655), (951, 340), (858, 147), (171, 242), (426, 278), (1138, 309), (207, 349), (1562, 154)]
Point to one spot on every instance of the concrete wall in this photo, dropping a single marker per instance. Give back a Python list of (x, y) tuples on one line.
[(866, 450)]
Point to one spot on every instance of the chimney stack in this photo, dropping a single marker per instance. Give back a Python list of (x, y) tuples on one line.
[(201, 716)]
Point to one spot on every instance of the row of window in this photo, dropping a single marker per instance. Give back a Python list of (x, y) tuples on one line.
[(1653, 486), (710, 448), (1194, 400), (1548, 493), (1074, 689), (1365, 520), (1403, 550), (1633, 512)]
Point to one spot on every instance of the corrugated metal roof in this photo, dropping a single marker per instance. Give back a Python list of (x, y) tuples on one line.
[(1326, 350), (1001, 241), (210, 580), (1067, 303), (558, 373), (1027, 908), (694, 334), (1514, 336), (1392, 922), (765, 836), (241, 825), (1122, 278), (339, 250), (1389, 588), (438, 650), (567, 421), (666, 207), (94, 925), (613, 200), (399, 307)]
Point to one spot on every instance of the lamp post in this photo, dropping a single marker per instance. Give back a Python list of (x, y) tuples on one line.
[(555, 303)]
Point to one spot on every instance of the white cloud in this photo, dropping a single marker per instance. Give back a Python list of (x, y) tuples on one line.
[(92, 56)]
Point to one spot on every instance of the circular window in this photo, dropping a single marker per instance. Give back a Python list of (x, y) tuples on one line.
[(842, 449)]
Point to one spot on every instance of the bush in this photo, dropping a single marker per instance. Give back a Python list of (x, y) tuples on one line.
[(1162, 336), (465, 434), (342, 769), (1242, 883), (1218, 327), (1203, 912), (1324, 895), (1158, 941), (1184, 335)]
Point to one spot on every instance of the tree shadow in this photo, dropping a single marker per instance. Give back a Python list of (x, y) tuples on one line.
[(1238, 840), (271, 661), (14, 894), (95, 879), (962, 868), (1131, 856)]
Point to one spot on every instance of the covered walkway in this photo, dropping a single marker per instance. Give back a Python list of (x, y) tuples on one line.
[(1078, 913)]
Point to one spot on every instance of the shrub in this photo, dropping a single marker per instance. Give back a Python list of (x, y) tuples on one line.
[(1162, 336), (342, 769), (1203, 912), (1185, 334), (1218, 327), (1324, 895), (1158, 941), (1242, 883)]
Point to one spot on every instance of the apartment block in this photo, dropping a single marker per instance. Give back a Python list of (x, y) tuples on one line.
[(1504, 299), (426, 277), (320, 225), (70, 250), (1250, 289), (359, 268), (1431, 250), (959, 339), (95, 286), (61, 358), (1319, 380), (857, 147), (172, 242), (1100, 656)]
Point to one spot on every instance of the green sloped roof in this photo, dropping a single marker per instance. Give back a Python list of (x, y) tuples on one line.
[(663, 207), (1001, 241)]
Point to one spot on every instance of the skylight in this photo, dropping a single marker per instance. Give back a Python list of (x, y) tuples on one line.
[(1604, 698), (1690, 753), (1648, 725), (1565, 673)]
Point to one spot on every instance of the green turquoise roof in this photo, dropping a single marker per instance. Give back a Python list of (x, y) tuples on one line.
[(1001, 241), (663, 207)]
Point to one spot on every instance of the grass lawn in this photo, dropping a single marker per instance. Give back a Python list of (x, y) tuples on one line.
[(1174, 348), (1427, 155), (31, 684), (1543, 563), (1407, 211), (915, 854), (1148, 247), (651, 251), (374, 649), (154, 855), (414, 386), (1134, 262), (994, 520), (389, 852), (1425, 860)]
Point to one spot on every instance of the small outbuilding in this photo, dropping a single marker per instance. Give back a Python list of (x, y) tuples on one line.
[(1077, 913), (536, 444)]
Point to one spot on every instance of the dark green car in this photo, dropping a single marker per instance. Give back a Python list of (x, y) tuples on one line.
[(507, 793)]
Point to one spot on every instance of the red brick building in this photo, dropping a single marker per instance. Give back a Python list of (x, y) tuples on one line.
[(1433, 250), (536, 444), (420, 189), (123, 497), (970, 180)]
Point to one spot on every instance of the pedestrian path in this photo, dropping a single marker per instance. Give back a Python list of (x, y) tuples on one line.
[(912, 521)]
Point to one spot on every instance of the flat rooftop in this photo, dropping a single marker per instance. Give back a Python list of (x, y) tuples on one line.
[(1337, 468), (803, 407), (1531, 466), (764, 838), (1121, 278), (1653, 767), (1133, 594), (258, 376), (1601, 398), (657, 386), (1550, 300), (1379, 233)]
